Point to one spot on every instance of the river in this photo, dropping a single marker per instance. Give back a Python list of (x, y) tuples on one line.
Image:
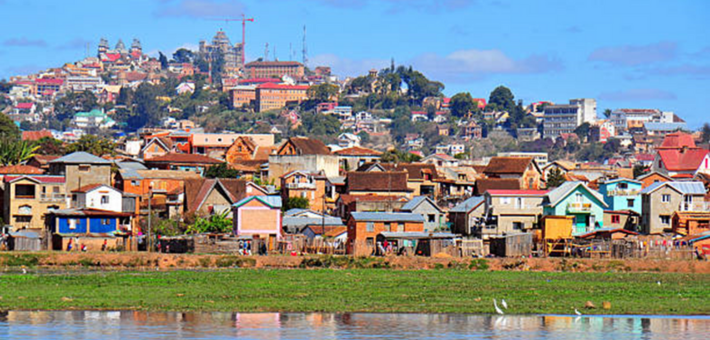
[(105, 325)]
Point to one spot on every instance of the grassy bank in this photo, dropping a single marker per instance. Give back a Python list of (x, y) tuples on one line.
[(359, 290)]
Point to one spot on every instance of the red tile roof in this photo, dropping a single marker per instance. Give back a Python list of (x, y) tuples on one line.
[(26, 105), (87, 188), (357, 151), (259, 80), (183, 158), (36, 135), (50, 81), (20, 170), (347, 199), (507, 165), (677, 140), (377, 181), (41, 179), (678, 160)]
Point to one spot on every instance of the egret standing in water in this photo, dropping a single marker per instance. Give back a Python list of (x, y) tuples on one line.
[(503, 303), (577, 312), (498, 310)]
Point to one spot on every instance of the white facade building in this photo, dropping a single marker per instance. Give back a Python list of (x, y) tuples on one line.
[(565, 118)]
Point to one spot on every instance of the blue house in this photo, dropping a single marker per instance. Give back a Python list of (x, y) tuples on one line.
[(579, 201), (87, 221), (622, 194)]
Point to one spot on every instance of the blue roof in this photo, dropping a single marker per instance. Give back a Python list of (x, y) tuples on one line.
[(468, 204), (686, 188), (271, 201), (386, 217), (656, 126), (416, 201), (81, 157)]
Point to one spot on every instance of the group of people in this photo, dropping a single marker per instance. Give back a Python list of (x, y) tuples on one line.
[(82, 247)]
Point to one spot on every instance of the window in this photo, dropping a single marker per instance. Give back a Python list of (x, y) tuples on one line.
[(665, 219), (388, 226), (615, 219), (630, 203), (55, 189), (104, 199), (72, 223), (518, 225), (665, 198), (505, 200), (23, 219), (370, 242), (25, 191), (105, 221), (84, 168), (623, 186), (431, 218), (370, 226), (135, 183)]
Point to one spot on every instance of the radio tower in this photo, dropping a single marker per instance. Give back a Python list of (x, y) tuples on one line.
[(266, 52), (305, 47)]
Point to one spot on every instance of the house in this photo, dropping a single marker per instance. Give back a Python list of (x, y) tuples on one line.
[(467, 216), (653, 177), (690, 222), (41, 161), (204, 197), (26, 198), (90, 227), (348, 140), (353, 157), (388, 183), (181, 162), (510, 211), (156, 147), (245, 148), (258, 217), (624, 219), (441, 160), (297, 220), (93, 119), (485, 184), (308, 185), (432, 214), (457, 182), (562, 166), (524, 169), (579, 201), (80, 169), (19, 170), (97, 196), (36, 135), (345, 204), (622, 194), (363, 228), (301, 153), (607, 234), (661, 199), (679, 157)]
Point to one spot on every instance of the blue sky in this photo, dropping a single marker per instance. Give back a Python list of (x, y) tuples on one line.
[(640, 54)]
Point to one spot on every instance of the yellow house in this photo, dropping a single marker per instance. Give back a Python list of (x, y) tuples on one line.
[(26, 199)]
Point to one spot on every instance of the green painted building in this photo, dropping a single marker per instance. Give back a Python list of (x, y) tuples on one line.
[(579, 201)]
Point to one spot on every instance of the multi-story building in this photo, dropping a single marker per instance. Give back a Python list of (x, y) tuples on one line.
[(511, 211), (243, 95), (80, 169), (26, 199), (275, 96), (622, 194), (308, 185), (274, 69), (222, 47), (661, 200), (633, 119), (566, 118)]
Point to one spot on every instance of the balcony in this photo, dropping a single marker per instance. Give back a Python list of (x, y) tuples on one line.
[(52, 197), (579, 207), (300, 185), (694, 206), (621, 192)]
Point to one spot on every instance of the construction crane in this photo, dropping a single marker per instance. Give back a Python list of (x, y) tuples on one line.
[(244, 20)]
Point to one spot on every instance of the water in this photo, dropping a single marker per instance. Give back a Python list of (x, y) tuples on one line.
[(77, 325)]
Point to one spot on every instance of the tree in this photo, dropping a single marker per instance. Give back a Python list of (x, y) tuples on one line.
[(221, 171), (640, 170), (14, 151), (93, 145), (705, 133), (502, 98), (582, 131), (461, 104), (50, 146), (555, 178), (163, 61), (364, 137), (323, 92), (183, 55), (8, 129), (73, 102), (607, 113), (296, 203), (397, 156), (218, 223)]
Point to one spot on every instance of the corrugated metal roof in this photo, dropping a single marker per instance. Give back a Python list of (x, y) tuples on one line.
[(566, 188), (416, 201), (686, 188), (386, 217), (467, 205), (272, 201), (290, 221), (657, 126), (81, 157)]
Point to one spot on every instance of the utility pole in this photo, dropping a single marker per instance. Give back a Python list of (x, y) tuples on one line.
[(150, 215)]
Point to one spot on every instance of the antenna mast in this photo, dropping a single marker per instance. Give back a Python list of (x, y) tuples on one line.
[(305, 47)]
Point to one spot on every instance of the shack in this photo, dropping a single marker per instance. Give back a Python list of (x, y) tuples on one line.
[(416, 243), (512, 245), (25, 240), (608, 234)]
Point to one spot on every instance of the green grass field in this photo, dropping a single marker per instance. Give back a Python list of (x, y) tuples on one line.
[(359, 290)]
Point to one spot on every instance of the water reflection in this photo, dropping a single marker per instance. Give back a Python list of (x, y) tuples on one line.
[(150, 325)]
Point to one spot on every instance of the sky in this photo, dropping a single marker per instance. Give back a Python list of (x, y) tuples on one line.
[(625, 54)]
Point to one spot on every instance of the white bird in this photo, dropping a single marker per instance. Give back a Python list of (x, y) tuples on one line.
[(577, 312), (503, 303), (24, 271), (658, 283), (498, 310)]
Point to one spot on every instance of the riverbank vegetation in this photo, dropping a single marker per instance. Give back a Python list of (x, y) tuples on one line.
[(448, 290)]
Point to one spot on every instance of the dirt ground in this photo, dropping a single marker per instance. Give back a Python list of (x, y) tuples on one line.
[(130, 260)]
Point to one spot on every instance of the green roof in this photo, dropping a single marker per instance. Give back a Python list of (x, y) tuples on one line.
[(92, 113)]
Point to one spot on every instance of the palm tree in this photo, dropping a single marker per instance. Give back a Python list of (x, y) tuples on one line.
[(13, 152)]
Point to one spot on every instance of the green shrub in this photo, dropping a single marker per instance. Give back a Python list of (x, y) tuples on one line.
[(478, 264), (18, 260)]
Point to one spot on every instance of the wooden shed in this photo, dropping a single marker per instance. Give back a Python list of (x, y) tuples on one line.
[(512, 245)]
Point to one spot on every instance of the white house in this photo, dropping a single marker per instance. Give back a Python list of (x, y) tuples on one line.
[(348, 140), (97, 196)]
